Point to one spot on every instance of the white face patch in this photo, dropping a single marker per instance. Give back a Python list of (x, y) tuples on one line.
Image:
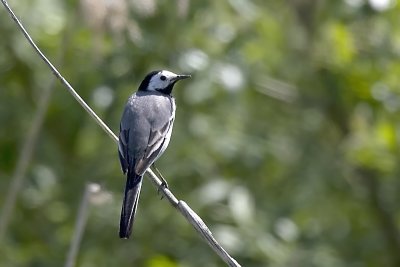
[(161, 80)]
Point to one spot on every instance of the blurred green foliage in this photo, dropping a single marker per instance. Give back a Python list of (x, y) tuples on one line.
[(286, 140)]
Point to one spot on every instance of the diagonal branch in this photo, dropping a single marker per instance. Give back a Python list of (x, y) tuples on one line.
[(181, 206)]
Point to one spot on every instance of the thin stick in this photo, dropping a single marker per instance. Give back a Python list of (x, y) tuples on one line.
[(27, 149), (80, 223), (205, 233), (59, 76), (181, 206)]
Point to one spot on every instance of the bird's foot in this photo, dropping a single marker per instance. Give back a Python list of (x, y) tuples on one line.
[(163, 184)]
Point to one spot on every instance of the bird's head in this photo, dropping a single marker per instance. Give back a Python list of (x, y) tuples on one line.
[(161, 81)]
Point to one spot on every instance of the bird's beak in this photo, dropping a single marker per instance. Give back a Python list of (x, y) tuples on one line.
[(181, 77)]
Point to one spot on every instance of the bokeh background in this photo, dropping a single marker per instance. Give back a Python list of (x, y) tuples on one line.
[(286, 140)]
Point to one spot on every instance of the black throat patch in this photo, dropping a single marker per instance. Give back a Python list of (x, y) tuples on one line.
[(167, 90)]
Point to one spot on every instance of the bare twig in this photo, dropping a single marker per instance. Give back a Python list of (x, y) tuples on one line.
[(80, 223), (58, 75), (28, 148), (205, 233), (181, 206)]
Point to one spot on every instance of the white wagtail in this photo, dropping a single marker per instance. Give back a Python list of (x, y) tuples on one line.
[(145, 131)]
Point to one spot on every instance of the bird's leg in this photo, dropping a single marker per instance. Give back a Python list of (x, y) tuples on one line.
[(163, 181)]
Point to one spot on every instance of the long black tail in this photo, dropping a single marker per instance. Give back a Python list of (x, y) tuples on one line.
[(129, 206)]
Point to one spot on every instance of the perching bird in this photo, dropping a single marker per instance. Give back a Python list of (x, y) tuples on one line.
[(145, 132)]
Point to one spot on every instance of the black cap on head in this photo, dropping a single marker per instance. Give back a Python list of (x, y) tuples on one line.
[(146, 80)]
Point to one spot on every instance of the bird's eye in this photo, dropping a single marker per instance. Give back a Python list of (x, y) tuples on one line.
[(163, 78)]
